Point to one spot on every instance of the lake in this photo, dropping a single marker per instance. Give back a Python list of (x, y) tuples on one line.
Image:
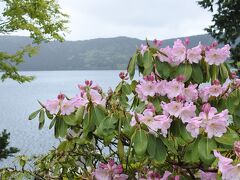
[(17, 101)]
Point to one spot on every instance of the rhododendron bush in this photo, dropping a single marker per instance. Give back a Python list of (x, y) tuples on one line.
[(181, 120)]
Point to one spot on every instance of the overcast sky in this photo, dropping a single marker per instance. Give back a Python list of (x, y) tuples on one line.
[(160, 19)]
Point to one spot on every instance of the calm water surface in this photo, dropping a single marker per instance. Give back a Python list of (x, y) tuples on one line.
[(17, 101)]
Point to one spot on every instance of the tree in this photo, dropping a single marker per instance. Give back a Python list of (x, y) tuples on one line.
[(226, 23), (4, 142), (42, 19), (170, 123)]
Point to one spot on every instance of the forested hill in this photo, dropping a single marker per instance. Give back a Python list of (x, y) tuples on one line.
[(95, 54)]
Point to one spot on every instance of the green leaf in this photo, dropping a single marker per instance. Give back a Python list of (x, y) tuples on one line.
[(126, 89), (228, 138), (156, 149), (131, 66), (140, 142), (184, 69), (34, 114), (70, 120), (41, 119), (60, 128), (163, 69), (106, 129), (147, 63), (214, 70), (197, 74), (52, 123), (223, 73), (169, 144), (120, 150), (191, 152), (205, 148)]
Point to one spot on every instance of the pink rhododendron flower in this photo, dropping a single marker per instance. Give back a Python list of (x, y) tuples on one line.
[(67, 107), (193, 126), (208, 175), (143, 49), (161, 87), (187, 112), (109, 171), (194, 54), (217, 56), (173, 108), (174, 88), (190, 93), (168, 52), (217, 126), (166, 175), (79, 101), (146, 88), (215, 90), (178, 52), (53, 106), (163, 122)]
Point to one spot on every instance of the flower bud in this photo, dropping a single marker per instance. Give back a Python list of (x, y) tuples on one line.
[(187, 41), (216, 82), (61, 96), (237, 148), (214, 44), (149, 78), (157, 42), (180, 78), (206, 108), (180, 98), (88, 83)]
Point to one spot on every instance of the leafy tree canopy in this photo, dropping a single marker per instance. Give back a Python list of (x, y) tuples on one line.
[(226, 23), (42, 19)]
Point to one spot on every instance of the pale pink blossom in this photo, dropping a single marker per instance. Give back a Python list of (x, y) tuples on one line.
[(173, 108), (223, 163), (163, 122), (167, 57), (217, 56), (229, 171), (208, 175), (178, 52), (190, 93), (79, 101), (53, 106), (194, 54), (174, 88), (67, 107), (193, 126), (166, 175), (109, 171), (216, 127), (161, 87), (146, 88), (187, 112), (215, 90)]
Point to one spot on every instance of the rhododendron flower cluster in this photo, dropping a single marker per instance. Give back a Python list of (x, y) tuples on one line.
[(213, 123), (170, 123), (109, 171), (88, 93), (179, 53)]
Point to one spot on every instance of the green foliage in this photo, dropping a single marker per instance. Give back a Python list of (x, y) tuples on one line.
[(4, 142), (226, 23), (41, 18)]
